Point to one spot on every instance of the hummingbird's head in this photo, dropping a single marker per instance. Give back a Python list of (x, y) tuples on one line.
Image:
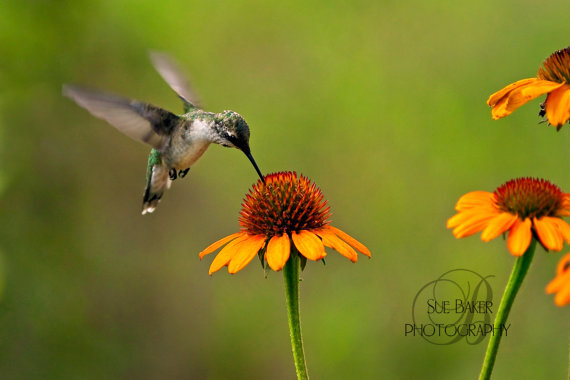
[(233, 132)]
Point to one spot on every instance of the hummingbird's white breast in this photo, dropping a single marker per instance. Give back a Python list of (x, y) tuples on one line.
[(190, 143)]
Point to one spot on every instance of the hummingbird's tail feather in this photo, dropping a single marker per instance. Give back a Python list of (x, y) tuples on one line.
[(157, 182)]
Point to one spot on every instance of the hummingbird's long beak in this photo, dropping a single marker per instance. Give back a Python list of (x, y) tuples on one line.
[(248, 154)]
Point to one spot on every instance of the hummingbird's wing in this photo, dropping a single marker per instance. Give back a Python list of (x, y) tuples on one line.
[(170, 71), (140, 121)]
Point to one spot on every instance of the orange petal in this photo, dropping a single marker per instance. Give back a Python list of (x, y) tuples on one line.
[(212, 247), (558, 283), (561, 283), (459, 218), (562, 297), (245, 253), (475, 199), (558, 106), (333, 241), (494, 98), (472, 222), (224, 256), (350, 240), (521, 95), (278, 250), (563, 228), (530, 91), (561, 286), (563, 265), (500, 109), (309, 245), (519, 237), (548, 233), (498, 225), (463, 217)]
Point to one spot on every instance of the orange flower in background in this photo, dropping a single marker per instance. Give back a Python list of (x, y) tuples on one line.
[(284, 213), (525, 207), (561, 283), (552, 79)]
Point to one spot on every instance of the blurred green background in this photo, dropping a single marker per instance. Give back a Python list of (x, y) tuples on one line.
[(382, 104)]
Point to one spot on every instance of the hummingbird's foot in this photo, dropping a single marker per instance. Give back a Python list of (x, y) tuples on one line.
[(172, 174), (182, 173)]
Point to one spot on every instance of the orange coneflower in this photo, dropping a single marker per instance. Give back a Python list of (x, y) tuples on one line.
[(552, 79), (561, 283), (284, 212), (524, 207)]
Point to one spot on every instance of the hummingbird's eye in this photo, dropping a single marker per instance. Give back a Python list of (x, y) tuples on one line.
[(230, 137)]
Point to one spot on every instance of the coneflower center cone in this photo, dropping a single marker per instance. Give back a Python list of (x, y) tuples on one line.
[(556, 68), (284, 204), (529, 198)]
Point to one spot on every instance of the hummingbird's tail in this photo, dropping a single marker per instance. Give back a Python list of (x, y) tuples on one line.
[(157, 182)]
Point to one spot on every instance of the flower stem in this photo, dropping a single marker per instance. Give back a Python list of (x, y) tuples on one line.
[(291, 276), (517, 276)]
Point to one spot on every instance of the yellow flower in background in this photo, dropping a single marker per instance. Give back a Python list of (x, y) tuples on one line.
[(286, 212), (561, 283), (523, 207), (552, 79)]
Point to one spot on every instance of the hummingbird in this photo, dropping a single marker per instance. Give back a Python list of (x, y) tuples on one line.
[(177, 141)]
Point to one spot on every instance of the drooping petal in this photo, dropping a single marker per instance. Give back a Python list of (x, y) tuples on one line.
[(563, 296), (471, 222), (561, 283), (245, 253), (459, 218), (494, 98), (563, 265), (531, 91), (521, 95), (334, 242), (558, 106), (350, 240), (212, 247), (563, 228), (500, 109), (519, 237), (225, 255), (309, 245), (469, 215), (278, 251), (548, 233), (475, 199), (498, 225), (557, 283)]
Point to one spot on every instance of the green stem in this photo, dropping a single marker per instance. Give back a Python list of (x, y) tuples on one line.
[(517, 276), (291, 276)]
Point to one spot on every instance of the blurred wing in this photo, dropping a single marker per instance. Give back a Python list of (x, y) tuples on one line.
[(171, 73), (140, 121)]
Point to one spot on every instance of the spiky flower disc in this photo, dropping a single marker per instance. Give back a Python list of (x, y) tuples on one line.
[(556, 68), (530, 198), (286, 203)]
